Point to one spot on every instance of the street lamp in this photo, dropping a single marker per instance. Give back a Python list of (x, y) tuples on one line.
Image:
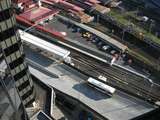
[(151, 25), (128, 28), (123, 33), (150, 81)]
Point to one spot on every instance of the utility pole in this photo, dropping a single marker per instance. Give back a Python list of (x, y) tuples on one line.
[(97, 18), (150, 89), (151, 25), (123, 34)]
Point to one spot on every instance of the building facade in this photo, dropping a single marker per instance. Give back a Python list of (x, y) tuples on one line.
[(11, 106), (12, 53)]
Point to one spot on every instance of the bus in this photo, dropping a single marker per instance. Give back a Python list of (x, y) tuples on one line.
[(101, 86)]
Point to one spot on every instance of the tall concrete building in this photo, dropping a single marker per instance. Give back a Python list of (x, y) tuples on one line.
[(12, 53), (11, 106)]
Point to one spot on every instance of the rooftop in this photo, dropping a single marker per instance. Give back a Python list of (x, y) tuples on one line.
[(38, 14), (40, 116), (73, 83), (44, 99)]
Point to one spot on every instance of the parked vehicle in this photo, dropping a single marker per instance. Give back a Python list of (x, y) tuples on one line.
[(95, 40), (101, 86), (112, 52), (86, 35), (106, 47), (100, 44)]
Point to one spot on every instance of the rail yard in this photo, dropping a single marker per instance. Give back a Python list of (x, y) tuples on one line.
[(112, 41)]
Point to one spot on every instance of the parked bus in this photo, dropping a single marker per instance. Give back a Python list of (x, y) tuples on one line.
[(101, 86)]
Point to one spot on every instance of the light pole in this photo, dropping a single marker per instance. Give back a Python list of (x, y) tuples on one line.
[(97, 18), (150, 90), (151, 25), (123, 34)]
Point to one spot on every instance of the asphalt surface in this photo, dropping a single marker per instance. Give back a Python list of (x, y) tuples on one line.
[(76, 38), (119, 107)]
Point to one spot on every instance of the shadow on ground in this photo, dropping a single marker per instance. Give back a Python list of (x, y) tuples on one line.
[(90, 92)]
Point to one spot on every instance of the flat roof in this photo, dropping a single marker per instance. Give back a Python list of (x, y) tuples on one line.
[(119, 107), (40, 116), (37, 14), (59, 52), (43, 98), (105, 2)]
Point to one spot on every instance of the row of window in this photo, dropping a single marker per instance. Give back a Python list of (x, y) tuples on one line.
[(17, 62), (18, 69), (25, 90), (5, 14), (24, 85), (10, 50), (8, 33), (15, 47), (8, 42), (22, 80), (27, 94), (13, 56), (9, 23), (21, 74), (5, 4), (29, 100)]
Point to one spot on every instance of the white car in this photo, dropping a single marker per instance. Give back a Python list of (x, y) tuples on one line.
[(106, 47)]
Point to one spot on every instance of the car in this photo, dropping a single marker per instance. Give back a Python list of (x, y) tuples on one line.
[(113, 52), (86, 35), (69, 25), (100, 44), (106, 47), (75, 29), (95, 40)]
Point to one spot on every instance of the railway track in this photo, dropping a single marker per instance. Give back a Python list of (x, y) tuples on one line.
[(117, 78)]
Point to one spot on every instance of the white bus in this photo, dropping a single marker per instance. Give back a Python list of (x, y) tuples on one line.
[(101, 86)]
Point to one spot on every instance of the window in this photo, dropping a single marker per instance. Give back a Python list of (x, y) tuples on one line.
[(11, 49), (8, 59), (3, 44), (8, 33), (13, 56), (17, 62), (5, 14), (13, 72), (24, 85), (20, 74), (22, 66), (27, 94), (17, 69), (8, 42), (14, 40)]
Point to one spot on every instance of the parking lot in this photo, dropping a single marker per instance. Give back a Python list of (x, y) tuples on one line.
[(80, 36)]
